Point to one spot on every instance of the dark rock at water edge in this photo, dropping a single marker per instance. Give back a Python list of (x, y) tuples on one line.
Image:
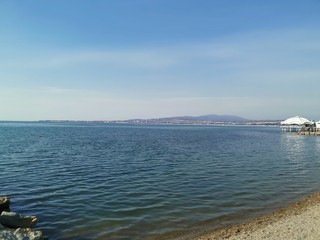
[(14, 220), (15, 226), (4, 204)]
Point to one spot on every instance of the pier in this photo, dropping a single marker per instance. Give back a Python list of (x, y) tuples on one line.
[(301, 126)]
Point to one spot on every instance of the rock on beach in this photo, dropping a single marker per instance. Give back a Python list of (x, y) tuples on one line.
[(15, 226), (4, 203), (20, 234), (14, 220)]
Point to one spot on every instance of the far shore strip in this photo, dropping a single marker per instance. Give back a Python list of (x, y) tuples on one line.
[(300, 220)]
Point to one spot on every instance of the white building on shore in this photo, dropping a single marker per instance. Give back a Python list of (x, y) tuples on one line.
[(296, 124)]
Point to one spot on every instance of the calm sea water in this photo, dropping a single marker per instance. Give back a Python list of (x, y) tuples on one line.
[(103, 181)]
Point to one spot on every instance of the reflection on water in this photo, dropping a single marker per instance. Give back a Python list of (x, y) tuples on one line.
[(103, 181), (301, 151), (292, 143)]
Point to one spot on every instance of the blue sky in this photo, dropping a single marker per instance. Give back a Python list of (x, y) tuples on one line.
[(122, 59)]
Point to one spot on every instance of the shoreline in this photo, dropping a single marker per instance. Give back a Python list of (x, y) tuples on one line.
[(299, 220), (306, 133)]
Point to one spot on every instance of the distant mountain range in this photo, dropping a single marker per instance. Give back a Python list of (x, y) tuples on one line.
[(203, 118), (209, 117)]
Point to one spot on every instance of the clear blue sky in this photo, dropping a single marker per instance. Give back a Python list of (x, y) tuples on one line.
[(121, 59)]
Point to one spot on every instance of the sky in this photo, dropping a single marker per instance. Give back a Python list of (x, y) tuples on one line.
[(126, 59)]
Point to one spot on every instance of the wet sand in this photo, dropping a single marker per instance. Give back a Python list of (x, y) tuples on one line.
[(300, 220)]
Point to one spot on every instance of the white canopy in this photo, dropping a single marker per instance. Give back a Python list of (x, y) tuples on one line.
[(296, 121)]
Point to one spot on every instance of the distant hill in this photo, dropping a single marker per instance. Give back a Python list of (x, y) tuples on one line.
[(210, 118)]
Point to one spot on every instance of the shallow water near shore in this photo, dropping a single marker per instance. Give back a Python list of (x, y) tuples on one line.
[(106, 181)]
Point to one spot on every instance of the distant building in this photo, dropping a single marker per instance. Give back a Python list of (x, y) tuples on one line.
[(296, 124)]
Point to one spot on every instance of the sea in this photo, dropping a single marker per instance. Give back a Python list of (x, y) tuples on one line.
[(120, 181)]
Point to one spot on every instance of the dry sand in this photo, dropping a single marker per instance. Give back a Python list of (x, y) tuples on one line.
[(300, 220)]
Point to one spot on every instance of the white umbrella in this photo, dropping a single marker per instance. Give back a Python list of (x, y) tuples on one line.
[(296, 121)]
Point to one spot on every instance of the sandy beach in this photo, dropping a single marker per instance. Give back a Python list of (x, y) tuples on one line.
[(300, 220)]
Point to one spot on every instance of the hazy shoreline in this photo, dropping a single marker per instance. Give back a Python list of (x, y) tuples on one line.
[(271, 123)]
